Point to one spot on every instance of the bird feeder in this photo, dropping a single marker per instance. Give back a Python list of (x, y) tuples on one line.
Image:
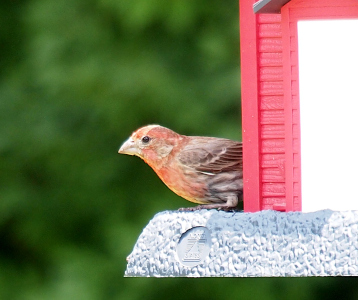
[(299, 66), (299, 69)]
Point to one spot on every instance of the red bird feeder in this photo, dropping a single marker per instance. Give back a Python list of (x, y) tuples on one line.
[(299, 64)]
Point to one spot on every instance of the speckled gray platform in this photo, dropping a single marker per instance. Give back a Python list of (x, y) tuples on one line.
[(266, 243)]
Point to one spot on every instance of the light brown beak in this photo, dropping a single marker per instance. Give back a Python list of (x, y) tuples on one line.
[(129, 147)]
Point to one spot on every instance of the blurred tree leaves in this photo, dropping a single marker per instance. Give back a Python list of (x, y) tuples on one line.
[(76, 78)]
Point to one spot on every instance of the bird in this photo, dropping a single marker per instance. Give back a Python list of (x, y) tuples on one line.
[(203, 170)]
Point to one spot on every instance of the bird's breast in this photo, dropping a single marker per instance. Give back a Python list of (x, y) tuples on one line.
[(184, 182)]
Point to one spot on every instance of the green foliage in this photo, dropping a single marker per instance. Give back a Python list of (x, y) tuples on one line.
[(76, 78)]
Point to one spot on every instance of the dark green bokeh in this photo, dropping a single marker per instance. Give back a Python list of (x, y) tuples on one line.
[(76, 78)]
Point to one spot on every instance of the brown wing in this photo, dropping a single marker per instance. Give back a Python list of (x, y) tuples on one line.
[(212, 155)]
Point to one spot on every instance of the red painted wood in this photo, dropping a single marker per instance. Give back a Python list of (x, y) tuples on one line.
[(270, 160), (286, 43), (292, 12), (274, 5), (272, 102), (273, 189), (270, 45), (271, 109), (270, 59), (250, 108), (273, 146), (279, 206), (269, 30), (271, 88), (273, 131), (271, 74), (268, 19), (272, 117), (270, 99)]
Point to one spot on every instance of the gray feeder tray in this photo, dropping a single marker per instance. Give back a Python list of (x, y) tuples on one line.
[(210, 243)]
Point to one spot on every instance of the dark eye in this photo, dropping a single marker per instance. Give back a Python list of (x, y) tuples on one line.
[(146, 139)]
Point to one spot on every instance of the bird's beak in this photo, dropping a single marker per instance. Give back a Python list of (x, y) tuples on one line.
[(129, 147)]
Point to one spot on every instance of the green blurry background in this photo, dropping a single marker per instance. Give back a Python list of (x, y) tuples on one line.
[(76, 78)]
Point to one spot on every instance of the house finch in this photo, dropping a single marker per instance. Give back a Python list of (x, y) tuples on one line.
[(204, 170)]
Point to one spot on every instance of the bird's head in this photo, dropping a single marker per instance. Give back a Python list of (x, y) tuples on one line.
[(152, 143)]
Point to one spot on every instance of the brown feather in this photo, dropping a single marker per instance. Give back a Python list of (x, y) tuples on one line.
[(212, 155)]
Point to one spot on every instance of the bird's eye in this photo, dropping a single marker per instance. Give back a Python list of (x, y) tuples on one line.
[(146, 139)]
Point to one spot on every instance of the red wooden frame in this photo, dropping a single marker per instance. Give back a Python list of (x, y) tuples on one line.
[(250, 108), (255, 159), (293, 12)]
